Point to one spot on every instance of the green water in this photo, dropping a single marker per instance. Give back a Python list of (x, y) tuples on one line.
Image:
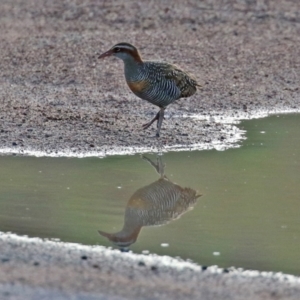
[(249, 211)]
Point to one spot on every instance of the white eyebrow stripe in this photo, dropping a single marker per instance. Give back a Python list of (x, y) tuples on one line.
[(124, 47)]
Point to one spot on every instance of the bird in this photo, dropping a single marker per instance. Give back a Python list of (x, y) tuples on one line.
[(159, 83)]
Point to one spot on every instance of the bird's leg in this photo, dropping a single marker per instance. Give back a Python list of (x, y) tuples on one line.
[(159, 166), (147, 125), (160, 120)]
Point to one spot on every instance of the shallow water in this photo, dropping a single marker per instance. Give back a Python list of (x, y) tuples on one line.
[(242, 208)]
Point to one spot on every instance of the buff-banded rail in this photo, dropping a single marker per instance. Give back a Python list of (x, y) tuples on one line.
[(160, 83)]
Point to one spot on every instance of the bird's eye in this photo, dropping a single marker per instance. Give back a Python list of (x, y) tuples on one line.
[(117, 49)]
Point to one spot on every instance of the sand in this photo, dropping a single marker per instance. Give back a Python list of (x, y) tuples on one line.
[(55, 270)]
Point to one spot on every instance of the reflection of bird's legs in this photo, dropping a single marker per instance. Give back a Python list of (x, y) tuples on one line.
[(159, 166)]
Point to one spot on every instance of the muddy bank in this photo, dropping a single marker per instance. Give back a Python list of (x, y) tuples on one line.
[(57, 97)]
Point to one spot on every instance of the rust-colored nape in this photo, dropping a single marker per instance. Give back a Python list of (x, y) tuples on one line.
[(136, 55)]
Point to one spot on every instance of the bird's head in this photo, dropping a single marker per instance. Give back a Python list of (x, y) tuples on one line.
[(124, 51)]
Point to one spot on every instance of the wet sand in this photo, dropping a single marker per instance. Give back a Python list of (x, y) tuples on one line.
[(57, 98)]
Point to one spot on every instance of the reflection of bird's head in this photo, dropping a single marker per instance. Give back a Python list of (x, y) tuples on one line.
[(123, 238)]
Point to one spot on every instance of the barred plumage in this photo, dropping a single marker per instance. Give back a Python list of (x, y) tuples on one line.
[(165, 83), (159, 83)]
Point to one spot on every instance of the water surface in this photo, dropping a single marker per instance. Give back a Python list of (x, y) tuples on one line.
[(239, 207)]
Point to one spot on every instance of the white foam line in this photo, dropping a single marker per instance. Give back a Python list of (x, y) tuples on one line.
[(233, 117), (233, 136), (103, 152), (233, 133)]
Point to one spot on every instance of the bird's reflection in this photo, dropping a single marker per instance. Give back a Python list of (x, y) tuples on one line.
[(155, 204)]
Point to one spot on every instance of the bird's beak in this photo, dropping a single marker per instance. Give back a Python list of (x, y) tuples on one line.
[(107, 53), (105, 234)]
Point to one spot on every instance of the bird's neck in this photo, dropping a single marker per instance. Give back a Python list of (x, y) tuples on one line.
[(132, 66)]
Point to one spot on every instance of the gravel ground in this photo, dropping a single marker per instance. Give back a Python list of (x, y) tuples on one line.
[(57, 98), (36, 269)]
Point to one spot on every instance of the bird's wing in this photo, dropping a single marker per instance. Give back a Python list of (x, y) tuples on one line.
[(186, 83)]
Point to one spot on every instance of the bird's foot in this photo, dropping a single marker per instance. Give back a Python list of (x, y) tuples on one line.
[(147, 125)]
